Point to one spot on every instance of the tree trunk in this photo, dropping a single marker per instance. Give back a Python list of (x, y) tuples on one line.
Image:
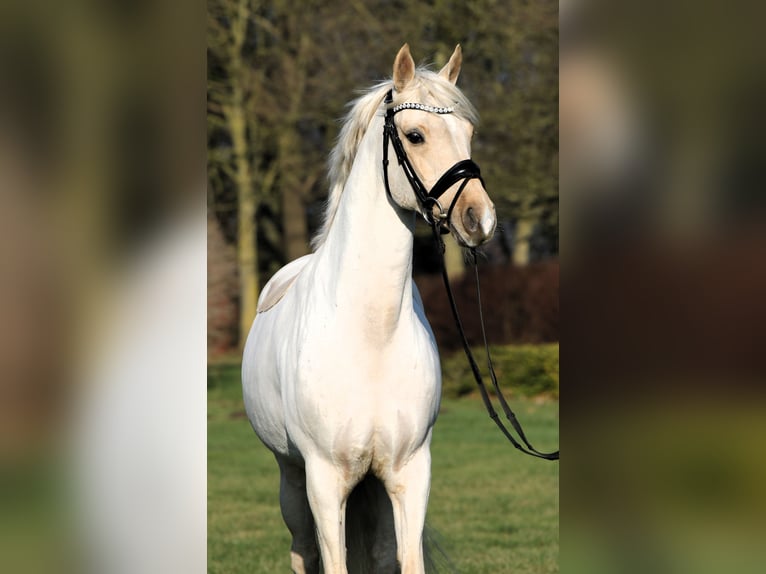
[(247, 244), (294, 227), (524, 230), (454, 260), (295, 71)]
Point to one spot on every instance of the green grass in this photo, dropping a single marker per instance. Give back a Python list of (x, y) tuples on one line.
[(494, 509)]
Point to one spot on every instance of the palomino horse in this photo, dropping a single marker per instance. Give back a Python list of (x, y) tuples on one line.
[(341, 374)]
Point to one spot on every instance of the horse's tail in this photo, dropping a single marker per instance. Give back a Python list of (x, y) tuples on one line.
[(370, 535)]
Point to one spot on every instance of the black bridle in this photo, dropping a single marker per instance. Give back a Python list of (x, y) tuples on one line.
[(465, 170)]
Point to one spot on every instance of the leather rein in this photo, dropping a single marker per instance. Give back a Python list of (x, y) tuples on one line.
[(464, 170)]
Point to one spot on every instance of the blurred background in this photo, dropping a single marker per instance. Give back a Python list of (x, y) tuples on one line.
[(662, 313), (102, 292), (105, 233)]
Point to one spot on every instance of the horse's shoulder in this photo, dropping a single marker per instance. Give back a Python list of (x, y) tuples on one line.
[(278, 285)]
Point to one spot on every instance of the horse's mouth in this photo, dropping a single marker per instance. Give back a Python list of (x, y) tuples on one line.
[(468, 243)]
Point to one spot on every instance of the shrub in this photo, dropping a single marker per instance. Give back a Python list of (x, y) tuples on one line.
[(524, 369), (224, 372), (520, 304)]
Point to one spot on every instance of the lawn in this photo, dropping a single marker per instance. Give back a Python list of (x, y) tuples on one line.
[(493, 508)]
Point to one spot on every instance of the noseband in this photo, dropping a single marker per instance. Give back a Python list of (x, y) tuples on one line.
[(465, 170)]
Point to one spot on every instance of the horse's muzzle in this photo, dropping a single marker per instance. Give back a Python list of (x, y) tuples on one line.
[(473, 220)]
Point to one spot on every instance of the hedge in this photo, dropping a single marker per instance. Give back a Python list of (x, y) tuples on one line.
[(223, 372), (526, 370), (521, 305)]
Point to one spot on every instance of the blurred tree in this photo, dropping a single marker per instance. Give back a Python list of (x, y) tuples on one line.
[(230, 85), (290, 59), (516, 48)]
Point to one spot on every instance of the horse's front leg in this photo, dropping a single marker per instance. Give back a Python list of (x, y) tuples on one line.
[(408, 488), (327, 494)]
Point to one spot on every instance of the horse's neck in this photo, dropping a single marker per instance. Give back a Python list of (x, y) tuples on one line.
[(368, 251)]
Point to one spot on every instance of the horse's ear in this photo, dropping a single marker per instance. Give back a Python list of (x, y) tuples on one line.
[(452, 70), (404, 68)]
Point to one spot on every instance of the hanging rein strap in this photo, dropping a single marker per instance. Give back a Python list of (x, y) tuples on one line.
[(465, 170), (509, 414)]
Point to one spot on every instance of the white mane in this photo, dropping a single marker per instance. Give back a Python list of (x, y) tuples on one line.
[(363, 109)]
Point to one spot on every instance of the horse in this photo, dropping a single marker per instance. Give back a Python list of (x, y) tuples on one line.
[(341, 374)]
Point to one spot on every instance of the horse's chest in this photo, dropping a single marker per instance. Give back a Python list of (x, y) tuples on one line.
[(380, 440), (365, 413)]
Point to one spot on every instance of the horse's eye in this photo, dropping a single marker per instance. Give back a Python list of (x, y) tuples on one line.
[(415, 137)]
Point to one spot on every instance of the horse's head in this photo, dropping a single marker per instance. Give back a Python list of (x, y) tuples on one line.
[(435, 124)]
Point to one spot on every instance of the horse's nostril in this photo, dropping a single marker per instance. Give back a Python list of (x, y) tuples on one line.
[(470, 221)]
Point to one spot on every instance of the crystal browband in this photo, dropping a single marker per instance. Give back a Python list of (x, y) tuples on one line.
[(423, 107)]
